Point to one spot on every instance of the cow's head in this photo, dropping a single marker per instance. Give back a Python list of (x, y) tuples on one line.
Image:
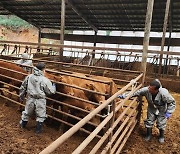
[(60, 87), (65, 88), (95, 97)]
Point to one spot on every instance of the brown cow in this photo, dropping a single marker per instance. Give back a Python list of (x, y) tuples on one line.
[(78, 81), (22, 74), (78, 93), (78, 103), (61, 87), (18, 76), (104, 88), (97, 87)]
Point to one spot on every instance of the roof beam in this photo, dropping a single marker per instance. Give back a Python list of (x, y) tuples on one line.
[(100, 25), (51, 12), (69, 2), (88, 2)]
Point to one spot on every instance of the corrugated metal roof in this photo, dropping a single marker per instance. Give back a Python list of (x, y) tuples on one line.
[(124, 15)]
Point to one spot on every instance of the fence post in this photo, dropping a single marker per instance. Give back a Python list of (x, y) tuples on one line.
[(112, 109), (139, 109)]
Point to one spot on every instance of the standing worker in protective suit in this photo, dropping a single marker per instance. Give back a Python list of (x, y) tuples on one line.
[(161, 105), (25, 61), (37, 87)]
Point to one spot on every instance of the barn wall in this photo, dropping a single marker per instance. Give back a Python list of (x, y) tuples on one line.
[(171, 84), (155, 41)]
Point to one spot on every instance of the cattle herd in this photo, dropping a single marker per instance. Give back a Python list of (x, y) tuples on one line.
[(75, 91)]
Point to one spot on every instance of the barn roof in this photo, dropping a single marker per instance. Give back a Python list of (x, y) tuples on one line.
[(123, 15)]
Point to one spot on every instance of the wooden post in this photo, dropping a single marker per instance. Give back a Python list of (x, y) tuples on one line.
[(167, 56), (39, 38), (95, 38), (93, 52), (111, 122), (164, 34), (139, 109), (62, 29), (169, 41), (146, 36)]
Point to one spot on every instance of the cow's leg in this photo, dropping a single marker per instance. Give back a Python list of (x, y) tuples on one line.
[(64, 118), (5, 92), (1, 86), (58, 107), (8, 94), (20, 107), (52, 112), (49, 121), (16, 98)]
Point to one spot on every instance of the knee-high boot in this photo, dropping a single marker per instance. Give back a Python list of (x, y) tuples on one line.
[(161, 136), (148, 134), (23, 123), (39, 127)]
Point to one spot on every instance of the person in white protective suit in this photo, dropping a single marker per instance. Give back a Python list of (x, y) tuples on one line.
[(25, 61), (36, 86), (161, 105)]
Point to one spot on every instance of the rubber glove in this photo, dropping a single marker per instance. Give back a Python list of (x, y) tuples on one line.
[(168, 115)]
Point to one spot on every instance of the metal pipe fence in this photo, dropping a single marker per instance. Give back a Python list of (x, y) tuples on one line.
[(75, 128)]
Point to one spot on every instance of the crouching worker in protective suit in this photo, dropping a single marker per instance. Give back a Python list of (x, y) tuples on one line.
[(37, 87), (161, 105), (25, 61)]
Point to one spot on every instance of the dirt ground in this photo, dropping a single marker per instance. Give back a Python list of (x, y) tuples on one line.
[(14, 140)]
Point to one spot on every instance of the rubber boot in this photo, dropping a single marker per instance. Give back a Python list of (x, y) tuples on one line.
[(148, 134), (161, 136), (23, 124), (39, 127)]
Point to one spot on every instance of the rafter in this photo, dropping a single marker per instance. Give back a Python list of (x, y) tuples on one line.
[(69, 2)]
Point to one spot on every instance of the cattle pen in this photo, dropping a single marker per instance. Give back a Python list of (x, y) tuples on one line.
[(108, 125)]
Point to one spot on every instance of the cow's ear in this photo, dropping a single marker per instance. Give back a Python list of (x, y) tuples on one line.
[(60, 78), (88, 108), (90, 86)]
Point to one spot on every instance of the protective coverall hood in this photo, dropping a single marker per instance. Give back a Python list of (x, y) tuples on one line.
[(37, 72)]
